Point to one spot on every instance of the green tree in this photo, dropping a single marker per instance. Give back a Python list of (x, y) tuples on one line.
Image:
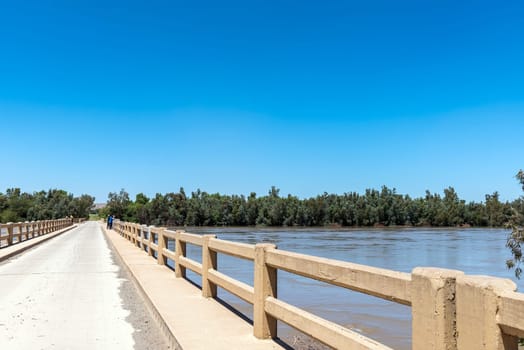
[(117, 204), (516, 237), (81, 206), (18, 205)]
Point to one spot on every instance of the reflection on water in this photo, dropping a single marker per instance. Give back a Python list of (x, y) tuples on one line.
[(474, 251)]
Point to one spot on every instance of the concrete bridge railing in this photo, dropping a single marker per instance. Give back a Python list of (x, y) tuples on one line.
[(12, 233), (450, 310)]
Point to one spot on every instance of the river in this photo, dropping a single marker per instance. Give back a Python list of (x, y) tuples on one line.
[(474, 251)]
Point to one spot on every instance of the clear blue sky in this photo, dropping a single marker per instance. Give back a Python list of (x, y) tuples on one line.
[(237, 96)]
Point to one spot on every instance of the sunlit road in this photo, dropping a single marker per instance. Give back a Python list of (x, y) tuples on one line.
[(68, 294)]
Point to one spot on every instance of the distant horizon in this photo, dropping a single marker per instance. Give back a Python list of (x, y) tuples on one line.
[(235, 97)]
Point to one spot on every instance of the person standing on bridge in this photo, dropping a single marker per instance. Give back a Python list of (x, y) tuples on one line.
[(110, 222)]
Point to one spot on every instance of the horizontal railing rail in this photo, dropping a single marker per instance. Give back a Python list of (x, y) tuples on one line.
[(13, 233), (440, 299)]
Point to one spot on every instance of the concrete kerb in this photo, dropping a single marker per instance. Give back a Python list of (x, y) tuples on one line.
[(171, 339), (18, 248)]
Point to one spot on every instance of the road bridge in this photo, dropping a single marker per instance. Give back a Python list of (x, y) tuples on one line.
[(70, 293)]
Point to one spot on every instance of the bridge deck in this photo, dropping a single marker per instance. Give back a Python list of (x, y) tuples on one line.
[(195, 322), (69, 293)]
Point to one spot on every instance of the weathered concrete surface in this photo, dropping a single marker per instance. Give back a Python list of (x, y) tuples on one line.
[(478, 303), (68, 294), (196, 322), (433, 308)]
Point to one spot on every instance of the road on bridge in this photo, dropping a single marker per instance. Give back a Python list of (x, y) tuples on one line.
[(70, 293)]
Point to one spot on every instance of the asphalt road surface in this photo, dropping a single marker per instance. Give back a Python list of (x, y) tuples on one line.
[(71, 293)]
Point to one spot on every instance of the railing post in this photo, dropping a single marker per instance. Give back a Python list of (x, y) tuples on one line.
[(477, 306), (135, 235), (150, 239), (180, 250), (26, 229), (10, 233), (265, 285), (161, 243), (22, 229), (209, 261), (433, 308), (141, 244), (19, 232)]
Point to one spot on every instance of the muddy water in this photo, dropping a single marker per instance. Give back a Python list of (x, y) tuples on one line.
[(474, 251)]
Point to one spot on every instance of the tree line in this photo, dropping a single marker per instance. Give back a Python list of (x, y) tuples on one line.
[(384, 207), (17, 206)]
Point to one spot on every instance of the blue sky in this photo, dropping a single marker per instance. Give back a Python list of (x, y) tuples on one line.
[(238, 96)]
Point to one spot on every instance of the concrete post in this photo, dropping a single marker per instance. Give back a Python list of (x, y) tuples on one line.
[(141, 244), (180, 251), (161, 259), (150, 239), (209, 261), (10, 233), (433, 308), (265, 285), (477, 306)]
